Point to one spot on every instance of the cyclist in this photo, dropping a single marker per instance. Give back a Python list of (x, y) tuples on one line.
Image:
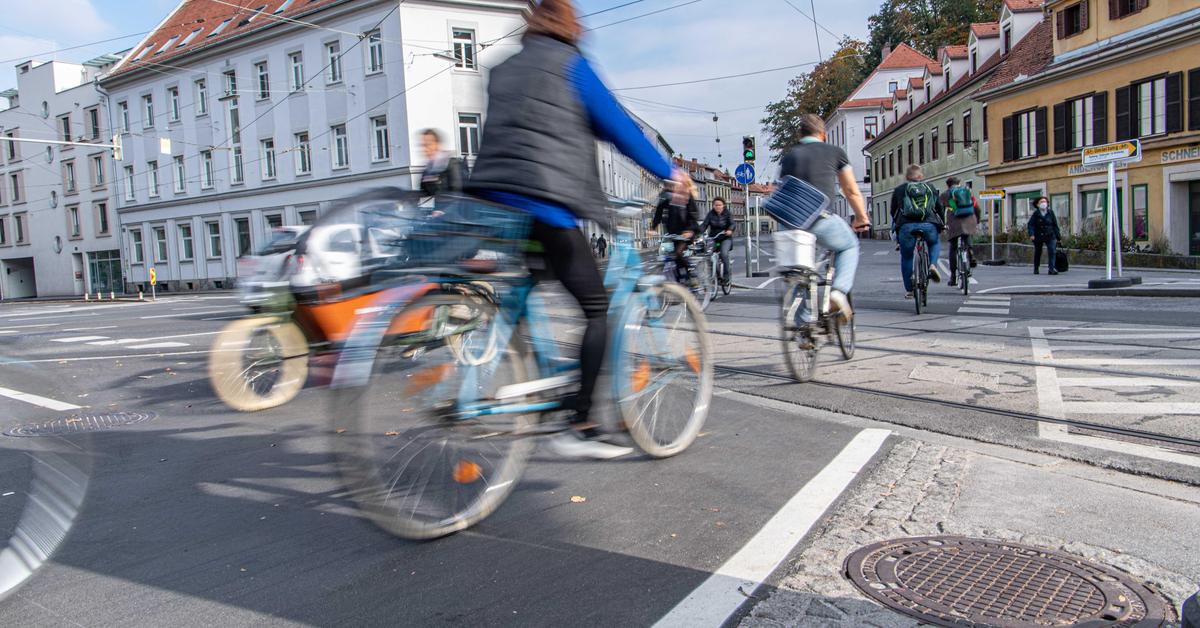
[(916, 207), (718, 224), (444, 172), (962, 219), (826, 167), (546, 110), (678, 218)]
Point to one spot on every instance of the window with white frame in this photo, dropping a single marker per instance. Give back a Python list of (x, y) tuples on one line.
[(201, 87), (148, 111), (266, 157), (129, 193), (73, 224), (1082, 122), (214, 239), (468, 134), (206, 169), (380, 144), (69, 177), (341, 147), (97, 170), (264, 80), (1152, 107), (241, 231), (64, 128), (374, 51), (1026, 134), (19, 228), (93, 122), (102, 218), (303, 153), (152, 173), (160, 244), (123, 116), (229, 80), (870, 127), (186, 252), (173, 104), (180, 174), (333, 62), (464, 48), (136, 251), (238, 173), (296, 59)]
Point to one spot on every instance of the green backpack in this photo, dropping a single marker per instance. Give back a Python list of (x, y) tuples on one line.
[(961, 202), (919, 202)]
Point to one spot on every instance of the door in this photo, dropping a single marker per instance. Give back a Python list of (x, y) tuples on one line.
[(1194, 218), (104, 267)]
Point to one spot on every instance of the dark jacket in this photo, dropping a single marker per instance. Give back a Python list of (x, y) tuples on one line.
[(715, 224), (1044, 228), (448, 180), (677, 218), (542, 147), (897, 209)]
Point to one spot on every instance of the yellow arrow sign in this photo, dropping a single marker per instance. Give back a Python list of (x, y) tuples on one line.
[(153, 277), (1130, 150), (991, 195)]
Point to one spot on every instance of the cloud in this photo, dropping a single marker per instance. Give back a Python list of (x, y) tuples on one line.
[(70, 20), (21, 47)]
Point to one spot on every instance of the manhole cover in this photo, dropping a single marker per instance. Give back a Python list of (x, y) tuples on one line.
[(80, 423), (957, 581)]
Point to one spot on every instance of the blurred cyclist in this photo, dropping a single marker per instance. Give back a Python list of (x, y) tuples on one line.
[(678, 218), (443, 172), (546, 110), (718, 224)]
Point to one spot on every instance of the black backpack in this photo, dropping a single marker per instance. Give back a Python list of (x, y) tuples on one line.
[(919, 202)]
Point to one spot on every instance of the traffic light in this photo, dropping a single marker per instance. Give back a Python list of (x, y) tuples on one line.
[(748, 149)]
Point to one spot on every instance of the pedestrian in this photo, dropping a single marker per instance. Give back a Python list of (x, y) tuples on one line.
[(1043, 228), (962, 219), (916, 207), (595, 250), (444, 173), (602, 246)]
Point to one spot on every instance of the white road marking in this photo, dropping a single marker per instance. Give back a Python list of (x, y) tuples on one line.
[(881, 253), (87, 328), (159, 345), (78, 339), (45, 316), (986, 297), (223, 318), (1125, 362), (1128, 336), (1118, 382), (187, 314), (31, 326), (980, 310), (719, 597), (125, 341), (91, 358), (9, 331), (45, 402), (1131, 407)]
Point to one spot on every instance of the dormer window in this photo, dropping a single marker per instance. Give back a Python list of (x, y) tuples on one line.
[(144, 51), (167, 45), (892, 87), (974, 60), (946, 75), (927, 92), (1072, 20), (187, 40), (1006, 39)]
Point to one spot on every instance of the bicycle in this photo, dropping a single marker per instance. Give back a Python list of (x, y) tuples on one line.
[(963, 261), (717, 270), (807, 281), (695, 276), (430, 446), (920, 271)]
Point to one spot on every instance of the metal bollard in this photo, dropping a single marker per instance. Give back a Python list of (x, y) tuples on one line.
[(140, 297), (112, 295)]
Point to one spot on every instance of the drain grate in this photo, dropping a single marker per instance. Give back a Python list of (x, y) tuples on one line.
[(957, 581), (92, 422)]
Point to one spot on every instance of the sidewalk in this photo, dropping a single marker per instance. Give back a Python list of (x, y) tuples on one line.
[(1156, 282)]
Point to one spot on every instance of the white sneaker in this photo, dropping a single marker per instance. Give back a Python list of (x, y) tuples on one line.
[(570, 445), (840, 304)]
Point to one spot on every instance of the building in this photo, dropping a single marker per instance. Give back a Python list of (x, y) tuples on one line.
[(58, 225), (941, 125), (275, 112), (1090, 74), (626, 183)]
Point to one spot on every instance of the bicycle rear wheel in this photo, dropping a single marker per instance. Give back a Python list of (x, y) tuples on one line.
[(416, 464), (664, 370), (964, 269), (918, 283), (702, 279), (797, 341), (844, 330)]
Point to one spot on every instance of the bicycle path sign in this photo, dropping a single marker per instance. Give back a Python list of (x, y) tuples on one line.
[(744, 174)]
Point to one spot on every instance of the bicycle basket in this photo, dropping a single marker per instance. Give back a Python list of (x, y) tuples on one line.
[(467, 229), (796, 248), (796, 204)]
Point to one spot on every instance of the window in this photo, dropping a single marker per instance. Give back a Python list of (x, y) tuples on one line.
[(242, 231), (102, 217), (1118, 9), (201, 97), (464, 48), (870, 127), (173, 104), (1141, 212), (1150, 101), (946, 76), (187, 40), (1061, 205), (375, 52), (974, 60), (144, 51), (267, 158), (185, 242), (129, 193), (167, 45), (341, 147), (968, 130), (921, 149), (274, 221), (380, 146), (93, 122), (297, 63), (1072, 20), (19, 228), (12, 147), (69, 176), (950, 137), (136, 252), (1006, 39), (891, 164), (180, 175), (160, 244), (238, 175), (148, 111), (333, 62), (910, 153), (933, 143), (64, 128), (73, 225), (1026, 135), (983, 118), (230, 84), (14, 182), (308, 216), (206, 169), (152, 172), (97, 170), (264, 81), (220, 27), (1082, 122), (892, 87), (214, 239), (123, 116), (283, 7), (468, 134), (303, 154), (3, 231)]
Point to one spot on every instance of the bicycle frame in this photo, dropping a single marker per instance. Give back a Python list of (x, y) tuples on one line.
[(813, 283)]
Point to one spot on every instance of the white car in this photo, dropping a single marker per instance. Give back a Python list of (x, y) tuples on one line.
[(267, 269)]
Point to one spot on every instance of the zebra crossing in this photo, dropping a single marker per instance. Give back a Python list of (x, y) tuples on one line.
[(74, 339), (995, 305)]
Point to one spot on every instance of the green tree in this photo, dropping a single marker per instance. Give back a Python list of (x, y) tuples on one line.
[(819, 91)]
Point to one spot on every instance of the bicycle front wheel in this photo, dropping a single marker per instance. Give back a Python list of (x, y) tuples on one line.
[(419, 463), (258, 363), (702, 280), (797, 340), (664, 370)]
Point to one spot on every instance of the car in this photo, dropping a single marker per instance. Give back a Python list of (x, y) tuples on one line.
[(259, 273)]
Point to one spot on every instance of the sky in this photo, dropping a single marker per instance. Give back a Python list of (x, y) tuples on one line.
[(700, 39)]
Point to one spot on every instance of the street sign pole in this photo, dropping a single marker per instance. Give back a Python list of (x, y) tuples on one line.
[(992, 226), (1110, 156), (1112, 199), (744, 174), (992, 199)]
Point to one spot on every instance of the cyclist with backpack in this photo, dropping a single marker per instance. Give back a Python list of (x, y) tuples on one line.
[(916, 207), (962, 219)]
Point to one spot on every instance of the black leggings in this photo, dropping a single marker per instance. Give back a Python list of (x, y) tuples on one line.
[(569, 257)]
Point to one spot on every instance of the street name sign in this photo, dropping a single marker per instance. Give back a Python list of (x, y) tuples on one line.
[(1129, 150), (744, 174), (991, 195)]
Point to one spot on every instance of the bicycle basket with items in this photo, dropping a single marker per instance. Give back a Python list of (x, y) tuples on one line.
[(796, 205)]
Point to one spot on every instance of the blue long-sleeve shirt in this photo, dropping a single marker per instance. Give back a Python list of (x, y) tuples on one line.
[(611, 123)]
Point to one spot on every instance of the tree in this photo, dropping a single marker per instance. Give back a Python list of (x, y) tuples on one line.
[(926, 24), (819, 91)]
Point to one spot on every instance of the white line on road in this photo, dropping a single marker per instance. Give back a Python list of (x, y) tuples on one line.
[(881, 252), (1125, 362), (159, 345), (985, 297), (718, 597), (980, 310), (45, 316), (91, 358), (36, 400), (78, 339), (187, 314), (31, 326), (125, 341), (86, 328), (1140, 408), (1127, 337), (223, 318), (1118, 382)]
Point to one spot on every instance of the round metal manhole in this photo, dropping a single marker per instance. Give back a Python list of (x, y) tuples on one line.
[(958, 581), (75, 424)]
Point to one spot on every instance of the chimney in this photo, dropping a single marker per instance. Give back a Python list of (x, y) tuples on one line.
[(887, 50)]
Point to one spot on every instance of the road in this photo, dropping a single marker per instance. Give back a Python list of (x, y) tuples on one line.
[(197, 514)]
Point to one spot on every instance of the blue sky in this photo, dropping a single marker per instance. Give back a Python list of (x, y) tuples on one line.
[(702, 39)]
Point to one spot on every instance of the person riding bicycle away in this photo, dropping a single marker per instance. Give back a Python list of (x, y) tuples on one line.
[(718, 224), (916, 207), (678, 218), (962, 219), (1043, 228), (826, 167), (546, 110)]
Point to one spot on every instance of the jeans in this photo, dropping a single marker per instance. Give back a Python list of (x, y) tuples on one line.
[(1051, 248), (723, 248), (954, 245), (908, 242), (836, 235)]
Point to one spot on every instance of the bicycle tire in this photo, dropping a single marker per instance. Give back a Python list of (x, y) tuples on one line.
[(406, 401), (647, 364), (845, 332), (798, 344), (274, 377), (467, 346), (702, 280), (964, 271), (917, 285)]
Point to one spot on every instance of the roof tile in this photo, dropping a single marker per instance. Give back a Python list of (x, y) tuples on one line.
[(984, 30), (1023, 6), (904, 56), (1030, 56)]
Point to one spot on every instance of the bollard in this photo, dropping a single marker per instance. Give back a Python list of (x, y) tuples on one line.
[(140, 298), (85, 297), (112, 295)]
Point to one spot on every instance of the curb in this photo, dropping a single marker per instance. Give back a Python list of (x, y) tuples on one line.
[(1108, 292)]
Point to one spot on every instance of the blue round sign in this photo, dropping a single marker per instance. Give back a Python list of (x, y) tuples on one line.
[(744, 174)]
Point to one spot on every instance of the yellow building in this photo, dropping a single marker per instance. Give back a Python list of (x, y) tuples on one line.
[(1093, 73)]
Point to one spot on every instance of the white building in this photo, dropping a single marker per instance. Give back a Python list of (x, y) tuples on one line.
[(625, 182), (58, 227), (275, 112)]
